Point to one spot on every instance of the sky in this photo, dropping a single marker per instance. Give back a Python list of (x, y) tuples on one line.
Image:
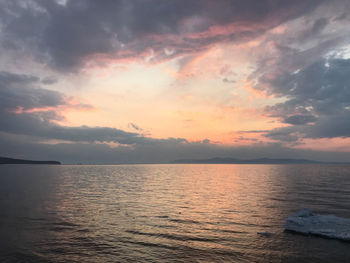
[(135, 81)]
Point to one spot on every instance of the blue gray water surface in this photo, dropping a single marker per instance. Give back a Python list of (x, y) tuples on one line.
[(167, 213)]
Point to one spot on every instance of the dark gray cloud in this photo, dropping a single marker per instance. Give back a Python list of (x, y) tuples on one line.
[(317, 28), (319, 25), (337, 125), (325, 81), (319, 94), (28, 147), (332, 126), (21, 92), (300, 119), (284, 134), (49, 80), (308, 69), (135, 127), (64, 35)]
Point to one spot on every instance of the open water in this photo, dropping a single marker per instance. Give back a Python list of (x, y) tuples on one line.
[(167, 213)]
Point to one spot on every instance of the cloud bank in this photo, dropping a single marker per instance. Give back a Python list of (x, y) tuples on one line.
[(68, 34)]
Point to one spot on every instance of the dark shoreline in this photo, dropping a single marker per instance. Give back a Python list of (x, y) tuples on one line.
[(5, 160)]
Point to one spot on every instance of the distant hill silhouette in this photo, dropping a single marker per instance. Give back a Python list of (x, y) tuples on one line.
[(218, 160), (5, 160)]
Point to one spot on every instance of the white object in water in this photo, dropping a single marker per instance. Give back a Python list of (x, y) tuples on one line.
[(307, 222)]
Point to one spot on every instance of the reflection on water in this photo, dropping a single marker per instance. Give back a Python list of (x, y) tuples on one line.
[(167, 213)]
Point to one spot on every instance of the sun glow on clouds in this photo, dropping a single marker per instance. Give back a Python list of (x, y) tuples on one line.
[(226, 73), (204, 95), (197, 97)]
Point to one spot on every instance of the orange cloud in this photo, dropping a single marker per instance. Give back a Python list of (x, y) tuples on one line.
[(255, 93), (71, 104)]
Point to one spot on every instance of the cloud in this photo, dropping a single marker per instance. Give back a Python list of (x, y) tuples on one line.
[(135, 127), (19, 92), (27, 109), (295, 65), (331, 126), (321, 89), (318, 26), (23, 93), (165, 151), (66, 35), (49, 80), (284, 134), (38, 135), (226, 80), (300, 119), (254, 131), (306, 68)]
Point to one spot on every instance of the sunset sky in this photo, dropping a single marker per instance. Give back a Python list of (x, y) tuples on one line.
[(157, 80)]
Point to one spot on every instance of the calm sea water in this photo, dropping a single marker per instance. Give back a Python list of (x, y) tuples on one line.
[(167, 213)]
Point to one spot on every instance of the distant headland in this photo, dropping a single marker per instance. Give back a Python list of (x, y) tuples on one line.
[(218, 160), (5, 160)]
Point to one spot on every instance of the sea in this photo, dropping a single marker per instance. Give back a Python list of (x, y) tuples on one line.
[(168, 212)]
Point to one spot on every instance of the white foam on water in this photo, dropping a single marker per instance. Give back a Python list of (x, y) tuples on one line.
[(330, 226)]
